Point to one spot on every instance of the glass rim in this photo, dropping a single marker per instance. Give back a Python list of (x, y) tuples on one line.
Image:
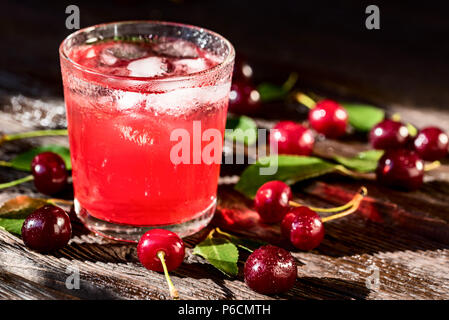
[(228, 59)]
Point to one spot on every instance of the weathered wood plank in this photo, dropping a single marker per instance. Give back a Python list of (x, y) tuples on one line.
[(407, 241), (14, 287)]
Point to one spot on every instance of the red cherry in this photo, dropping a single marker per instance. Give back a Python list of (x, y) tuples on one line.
[(329, 118), (286, 224), (242, 70), (431, 143), (388, 134), (400, 168), (49, 172), (243, 98), (155, 241), (46, 229), (270, 270), (303, 227), (292, 138), (271, 201)]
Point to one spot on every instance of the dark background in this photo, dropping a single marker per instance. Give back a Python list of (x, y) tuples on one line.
[(406, 61)]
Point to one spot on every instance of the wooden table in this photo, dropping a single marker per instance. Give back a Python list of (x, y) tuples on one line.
[(405, 236), (406, 241)]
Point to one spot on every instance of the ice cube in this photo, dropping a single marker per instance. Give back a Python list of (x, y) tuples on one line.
[(176, 49), (187, 66), (148, 67), (122, 51), (128, 100)]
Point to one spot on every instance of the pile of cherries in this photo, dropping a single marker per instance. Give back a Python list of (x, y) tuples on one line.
[(402, 164), (272, 270), (48, 228), (300, 224), (269, 269), (327, 117)]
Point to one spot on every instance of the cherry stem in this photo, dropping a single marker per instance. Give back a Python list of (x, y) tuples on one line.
[(432, 166), (290, 82), (335, 209), (357, 175), (232, 238), (396, 117), (304, 99), (5, 164), (219, 231), (32, 134), (16, 182), (173, 291), (356, 203), (60, 201)]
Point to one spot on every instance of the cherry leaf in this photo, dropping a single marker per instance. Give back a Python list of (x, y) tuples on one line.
[(219, 252), (363, 117), (23, 160), (271, 92), (287, 168), (14, 211), (364, 162), (244, 130), (12, 225)]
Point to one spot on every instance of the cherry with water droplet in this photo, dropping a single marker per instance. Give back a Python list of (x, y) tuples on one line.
[(303, 227), (48, 228), (270, 270)]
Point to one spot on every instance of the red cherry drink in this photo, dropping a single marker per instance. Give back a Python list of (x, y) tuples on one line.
[(128, 103)]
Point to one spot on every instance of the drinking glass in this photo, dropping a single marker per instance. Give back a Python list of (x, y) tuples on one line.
[(141, 144)]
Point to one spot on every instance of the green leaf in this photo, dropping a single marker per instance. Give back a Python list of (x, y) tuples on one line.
[(23, 160), (12, 225), (242, 129), (290, 169), (363, 117), (271, 92), (14, 211), (374, 155), (221, 253), (363, 162)]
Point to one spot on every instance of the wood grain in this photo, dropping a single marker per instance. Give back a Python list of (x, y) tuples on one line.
[(404, 235)]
